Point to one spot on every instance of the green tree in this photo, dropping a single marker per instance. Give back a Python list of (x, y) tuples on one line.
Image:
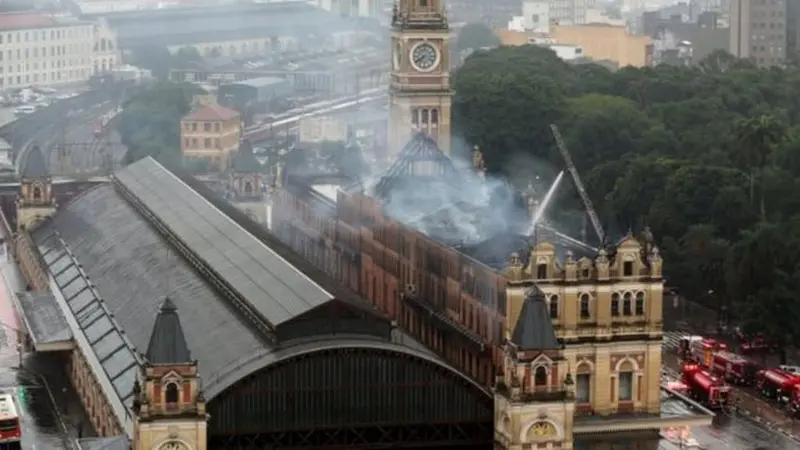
[(756, 138), (154, 58), (476, 36)]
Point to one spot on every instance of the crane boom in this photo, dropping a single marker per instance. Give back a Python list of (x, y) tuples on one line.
[(576, 178)]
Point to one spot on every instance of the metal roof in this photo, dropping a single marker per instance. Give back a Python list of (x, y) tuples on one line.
[(33, 164), (276, 290), (133, 269), (112, 357), (43, 318), (218, 24)]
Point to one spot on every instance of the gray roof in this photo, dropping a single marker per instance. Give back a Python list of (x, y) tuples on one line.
[(534, 330), (227, 22), (262, 82), (43, 317), (167, 343), (33, 164), (104, 443), (275, 290), (133, 269)]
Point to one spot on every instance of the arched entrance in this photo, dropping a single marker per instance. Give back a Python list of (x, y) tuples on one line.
[(352, 397)]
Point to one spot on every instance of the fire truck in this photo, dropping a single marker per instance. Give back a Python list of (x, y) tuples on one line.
[(700, 349), (794, 402), (777, 384), (705, 388), (734, 368)]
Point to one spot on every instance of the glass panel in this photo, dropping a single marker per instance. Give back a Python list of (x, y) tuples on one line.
[(106, 345), (73, 287), (81, 300), (90, 314), (118, 362), (60, 264), (123, 384), (53, 255), (625, 386), (68, 274), (97, 328), (583, 392)]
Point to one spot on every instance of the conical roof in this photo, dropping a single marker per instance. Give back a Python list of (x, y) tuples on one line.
[(534, 330), (244, 161), (33, 164), (167, 342)]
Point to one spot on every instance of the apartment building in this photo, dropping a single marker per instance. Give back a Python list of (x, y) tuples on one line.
[(44, 50), (211, 133), (759, 30), (570, 12)]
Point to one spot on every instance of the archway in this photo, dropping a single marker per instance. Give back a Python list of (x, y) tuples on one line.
[(352, 397)]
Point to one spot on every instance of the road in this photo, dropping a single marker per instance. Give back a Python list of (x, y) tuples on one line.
[(729, 431)]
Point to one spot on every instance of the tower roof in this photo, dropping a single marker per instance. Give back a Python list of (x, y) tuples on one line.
[(534, 330), (244, 161), (167, 343), (420, 158), (33, 164)]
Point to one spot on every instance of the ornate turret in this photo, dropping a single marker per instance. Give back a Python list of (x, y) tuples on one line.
[(244, 177), (167, 392), (534, 404), (36, 200)]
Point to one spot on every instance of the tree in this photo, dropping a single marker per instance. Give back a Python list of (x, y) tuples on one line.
[(476, 36), (186, 57), (757, 137), (154, 58), (149, 124)]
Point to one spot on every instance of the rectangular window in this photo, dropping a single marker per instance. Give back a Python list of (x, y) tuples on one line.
[(627, 268), (541, 271), (625, 386), (207, 142), (207, 127), (583, 386)]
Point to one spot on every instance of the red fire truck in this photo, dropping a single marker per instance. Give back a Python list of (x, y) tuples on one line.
[(700, 349), (794, 402), (705, 388), (734, 368), (776, 384)]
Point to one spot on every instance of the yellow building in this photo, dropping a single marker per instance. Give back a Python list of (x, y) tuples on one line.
[(600, 42), (211, 133), (606, 42)]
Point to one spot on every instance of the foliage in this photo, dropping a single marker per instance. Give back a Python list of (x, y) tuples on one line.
[(708, 156), (149, 124), (475, 36)]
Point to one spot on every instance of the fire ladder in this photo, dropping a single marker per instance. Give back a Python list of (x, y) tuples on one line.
[(587, 203)]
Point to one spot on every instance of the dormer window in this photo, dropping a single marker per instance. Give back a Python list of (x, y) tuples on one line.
[(541, 271), (423, 3), (627, 268), (585, 273), (37, 193)]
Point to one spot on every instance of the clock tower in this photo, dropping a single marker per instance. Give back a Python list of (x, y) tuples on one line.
[(419, 89)]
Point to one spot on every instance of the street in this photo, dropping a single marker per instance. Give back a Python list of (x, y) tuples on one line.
[(728, 431)]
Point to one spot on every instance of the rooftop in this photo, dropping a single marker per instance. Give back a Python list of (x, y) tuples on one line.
[(212, 113), (43, 318), (220, 23), (25, 21), (33, 164)]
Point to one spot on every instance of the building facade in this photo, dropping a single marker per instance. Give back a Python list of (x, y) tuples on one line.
[(758, 31), (419, 87), (41, 50), (211, 134)]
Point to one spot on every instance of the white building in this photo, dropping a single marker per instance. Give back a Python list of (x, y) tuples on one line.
[(45, 50), (353, 8), (536, 16), (570, 12)]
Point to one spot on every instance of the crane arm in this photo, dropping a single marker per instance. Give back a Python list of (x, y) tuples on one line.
[(587, 203)]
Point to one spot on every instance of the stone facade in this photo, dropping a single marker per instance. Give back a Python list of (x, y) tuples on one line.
[(420, 93)]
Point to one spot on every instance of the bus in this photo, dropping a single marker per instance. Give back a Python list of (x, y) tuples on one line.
[(10, 430)]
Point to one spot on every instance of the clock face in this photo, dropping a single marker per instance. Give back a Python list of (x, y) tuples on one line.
[(424, 57)]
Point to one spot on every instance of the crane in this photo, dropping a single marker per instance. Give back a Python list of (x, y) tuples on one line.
[(576, 178)]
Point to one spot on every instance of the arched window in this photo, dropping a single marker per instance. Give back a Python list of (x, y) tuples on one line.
[(540, 377), (615, 305), (640, 303), (626, 304), (248, 188), (37, 193), (171, 395), (541, 271), (554, 307), (585, 314)]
